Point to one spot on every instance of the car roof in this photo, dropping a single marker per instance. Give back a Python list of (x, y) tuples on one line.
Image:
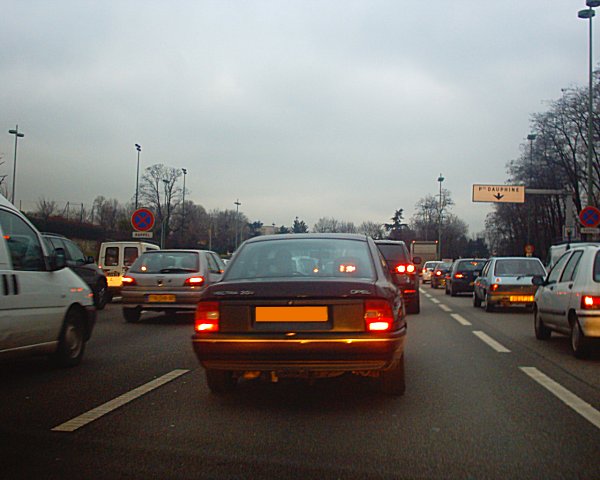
[(297, 236)]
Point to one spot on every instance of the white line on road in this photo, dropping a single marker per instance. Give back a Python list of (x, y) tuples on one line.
[(568, 398), (96, 413), (445, 308), (435, 300), (460, 319), (491, 342)]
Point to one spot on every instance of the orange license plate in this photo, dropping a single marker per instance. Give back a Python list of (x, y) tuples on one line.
[(161, 298), (291, 314), (521, 298)]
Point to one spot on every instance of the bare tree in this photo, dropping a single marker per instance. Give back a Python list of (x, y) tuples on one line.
[(45, 208)]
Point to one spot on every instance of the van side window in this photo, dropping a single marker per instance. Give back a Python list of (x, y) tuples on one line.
[(111, 257), (22, 242)]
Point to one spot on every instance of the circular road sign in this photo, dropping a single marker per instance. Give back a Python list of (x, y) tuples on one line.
[(590, 217), (142, 220)]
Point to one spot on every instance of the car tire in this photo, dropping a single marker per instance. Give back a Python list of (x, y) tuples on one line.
[(414, 307), (579, 343), (476, 301), (453, 292), (220, 381), (393, 381), (542, 332), (71, 343), (132, 315), (446, 291), (489, 306), (101, 295)]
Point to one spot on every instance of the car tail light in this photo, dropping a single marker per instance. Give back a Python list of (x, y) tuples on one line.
[(194, 281), (410, 268), (128, 281), (438, 273), (590, 302), (494, 287), (378, 316), (459, 275), (207, 317)]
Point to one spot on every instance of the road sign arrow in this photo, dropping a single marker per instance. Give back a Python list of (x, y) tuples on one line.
[(498, 196)]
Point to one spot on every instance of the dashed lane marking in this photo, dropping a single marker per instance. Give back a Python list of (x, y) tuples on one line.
[(567, 397), (491, 342), (96, 413), (435, 300), (445, 308), (460, 319)]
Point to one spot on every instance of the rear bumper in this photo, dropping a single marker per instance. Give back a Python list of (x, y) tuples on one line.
[(343, 354), (183, 300), (590, 323), (512, 298)]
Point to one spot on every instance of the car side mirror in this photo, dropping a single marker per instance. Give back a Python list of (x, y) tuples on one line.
[(538, 280), (58, 259)]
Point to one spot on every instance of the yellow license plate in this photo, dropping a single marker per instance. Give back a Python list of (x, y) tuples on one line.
[(161, 298), (521, 298), (291, 314)]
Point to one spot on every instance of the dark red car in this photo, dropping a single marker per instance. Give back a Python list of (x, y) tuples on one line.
[(308, 306)]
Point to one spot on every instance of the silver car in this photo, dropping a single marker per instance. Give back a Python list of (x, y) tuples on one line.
[(568, 299), (427, 270), (168, 281), (506, 282)]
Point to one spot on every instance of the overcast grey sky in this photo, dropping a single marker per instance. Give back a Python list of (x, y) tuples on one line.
[(338, 108)]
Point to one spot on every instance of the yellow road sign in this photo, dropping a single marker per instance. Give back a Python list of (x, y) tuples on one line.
[(499, 193)]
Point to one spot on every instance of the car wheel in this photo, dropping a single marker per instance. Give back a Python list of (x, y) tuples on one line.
[(542, 332), (101, 296), (476, 300), (446, 291), (489, 306), (579, 344), (132, 315), (71, 343), (392, 381), (414, 307), (220, 381), (453, 292)]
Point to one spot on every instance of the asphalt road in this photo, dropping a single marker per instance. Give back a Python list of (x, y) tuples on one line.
[(484, 399)]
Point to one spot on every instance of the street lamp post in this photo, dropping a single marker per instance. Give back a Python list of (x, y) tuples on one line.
[(165, 220), (531, 137), (588, 14), (237, 216), (184, 170), (440, 179), (17, 134), (138, 147)]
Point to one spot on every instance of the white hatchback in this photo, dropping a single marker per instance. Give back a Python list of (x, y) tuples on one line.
[(568, 299)]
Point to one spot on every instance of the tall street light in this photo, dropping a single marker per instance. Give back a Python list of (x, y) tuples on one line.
[(138, 147), (184, 170), (589, 14), (440, 179), (17, 134), (237, 217), (531, 137)]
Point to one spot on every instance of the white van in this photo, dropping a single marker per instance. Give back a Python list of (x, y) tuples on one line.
[(115, 258), (45, 308)]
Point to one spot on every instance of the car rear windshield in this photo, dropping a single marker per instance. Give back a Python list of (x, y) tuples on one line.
[(519, 268), (470, 265), (393, 254), (299, 258), (166, 262)]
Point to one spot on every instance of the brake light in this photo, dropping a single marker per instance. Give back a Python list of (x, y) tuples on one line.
[(194, 281), (410, 268), (459, 275), (378, 315), (590, 302), (494, 287), (438, 273), (207, 317), (128, 281)]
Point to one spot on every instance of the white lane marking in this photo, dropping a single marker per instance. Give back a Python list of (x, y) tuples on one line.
[(491, 342), (435, 300), (445, 308), (460, 319), (568, 398), (427, 295), (422, 291), (96, 413)]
